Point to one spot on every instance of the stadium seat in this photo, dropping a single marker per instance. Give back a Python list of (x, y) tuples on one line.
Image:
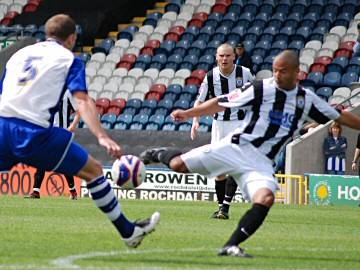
[(169, 124), (348, 78), (332, 79), (108, 120), (174, 88), (324, 92)]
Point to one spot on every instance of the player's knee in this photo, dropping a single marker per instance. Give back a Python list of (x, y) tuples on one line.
[(264, 196), (178, 165), (91, 170)]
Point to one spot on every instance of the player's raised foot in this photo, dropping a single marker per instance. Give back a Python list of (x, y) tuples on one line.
[(222, 215), (142, 228), (151, 155), (73, 195), (233, 251), (33, 195)]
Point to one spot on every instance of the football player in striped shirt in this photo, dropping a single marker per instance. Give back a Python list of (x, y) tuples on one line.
[(276, 108), (222, 79)]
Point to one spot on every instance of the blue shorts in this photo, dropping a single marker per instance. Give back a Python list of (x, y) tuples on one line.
[(49, 149)]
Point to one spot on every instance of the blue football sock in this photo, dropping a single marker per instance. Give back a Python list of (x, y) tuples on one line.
[(104, 198)]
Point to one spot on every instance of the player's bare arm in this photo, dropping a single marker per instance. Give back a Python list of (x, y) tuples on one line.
[(75, 122), (207, 108), (87, 110), (349, 119), (195, 124)]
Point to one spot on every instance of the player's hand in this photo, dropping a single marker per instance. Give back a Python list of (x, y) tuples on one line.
[(179, 116), (113, 149), (71, 128), (353, 166), (194, 129)]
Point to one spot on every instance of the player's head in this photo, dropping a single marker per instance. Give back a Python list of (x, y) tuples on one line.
[(62, 28), (225, 57), (286, 69)]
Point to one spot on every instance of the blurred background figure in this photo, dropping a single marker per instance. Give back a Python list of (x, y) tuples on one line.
[(334, 148), (243, 58)]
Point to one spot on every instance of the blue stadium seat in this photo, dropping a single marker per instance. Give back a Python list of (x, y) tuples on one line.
[(302, 34), (134, 103), (108, 120), (206, 32), (206, 62), (332, 79), (251, 7), (318, 33), (338, 64), (206, 120), (158, 61), (184, 126), (166, 47), (175, 60), (257, 59), (313, 79), (261, 19), (155, 122), (130, 110), (140, 118), (30, 29), (161, 111), (245, 19), (324, 92), (261, 48), (104, 47), (181, 47), (191, 33), (229, 19), (169, 124), (236, 33), (189, 59), (354, 65), (191, 89), (170, 96), (235, 7), (85, 57), (268, 61), (197, 47), (343, 19), (283, 7), (174, 88), (149, 103), (185, 96), (181, 104), (144, 59), (296, 45), (166, 104), (123, 121), (175, 7), (349, 77), (128, 32), (267, 7), (314, 7), (349, 7), (248, 45)]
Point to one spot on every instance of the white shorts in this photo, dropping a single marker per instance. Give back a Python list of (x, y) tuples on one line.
[(220, 129), (250, 168)]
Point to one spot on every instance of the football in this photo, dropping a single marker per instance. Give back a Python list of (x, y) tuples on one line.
[(128, 171)]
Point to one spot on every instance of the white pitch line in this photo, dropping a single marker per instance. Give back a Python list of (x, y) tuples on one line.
[(68, 262)]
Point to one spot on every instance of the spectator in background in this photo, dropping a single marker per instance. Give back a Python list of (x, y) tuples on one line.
[(335, 151), (243, 58), (356, 47), (356, 156)]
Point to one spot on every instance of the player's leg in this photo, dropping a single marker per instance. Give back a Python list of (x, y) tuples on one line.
[(220, 182), (104, 197), (230, 189), (72, 189), (38, 178), (262, 196), (70, 158)]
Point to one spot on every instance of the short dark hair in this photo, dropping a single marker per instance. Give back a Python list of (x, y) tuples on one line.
[(60, 26)]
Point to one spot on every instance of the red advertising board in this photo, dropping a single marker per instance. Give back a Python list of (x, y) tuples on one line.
[(20, 180)]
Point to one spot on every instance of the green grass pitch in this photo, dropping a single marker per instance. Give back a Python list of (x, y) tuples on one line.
[(56, 233)]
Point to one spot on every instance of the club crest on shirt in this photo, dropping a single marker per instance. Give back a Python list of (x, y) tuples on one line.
[(239, 82), (300, 102)]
